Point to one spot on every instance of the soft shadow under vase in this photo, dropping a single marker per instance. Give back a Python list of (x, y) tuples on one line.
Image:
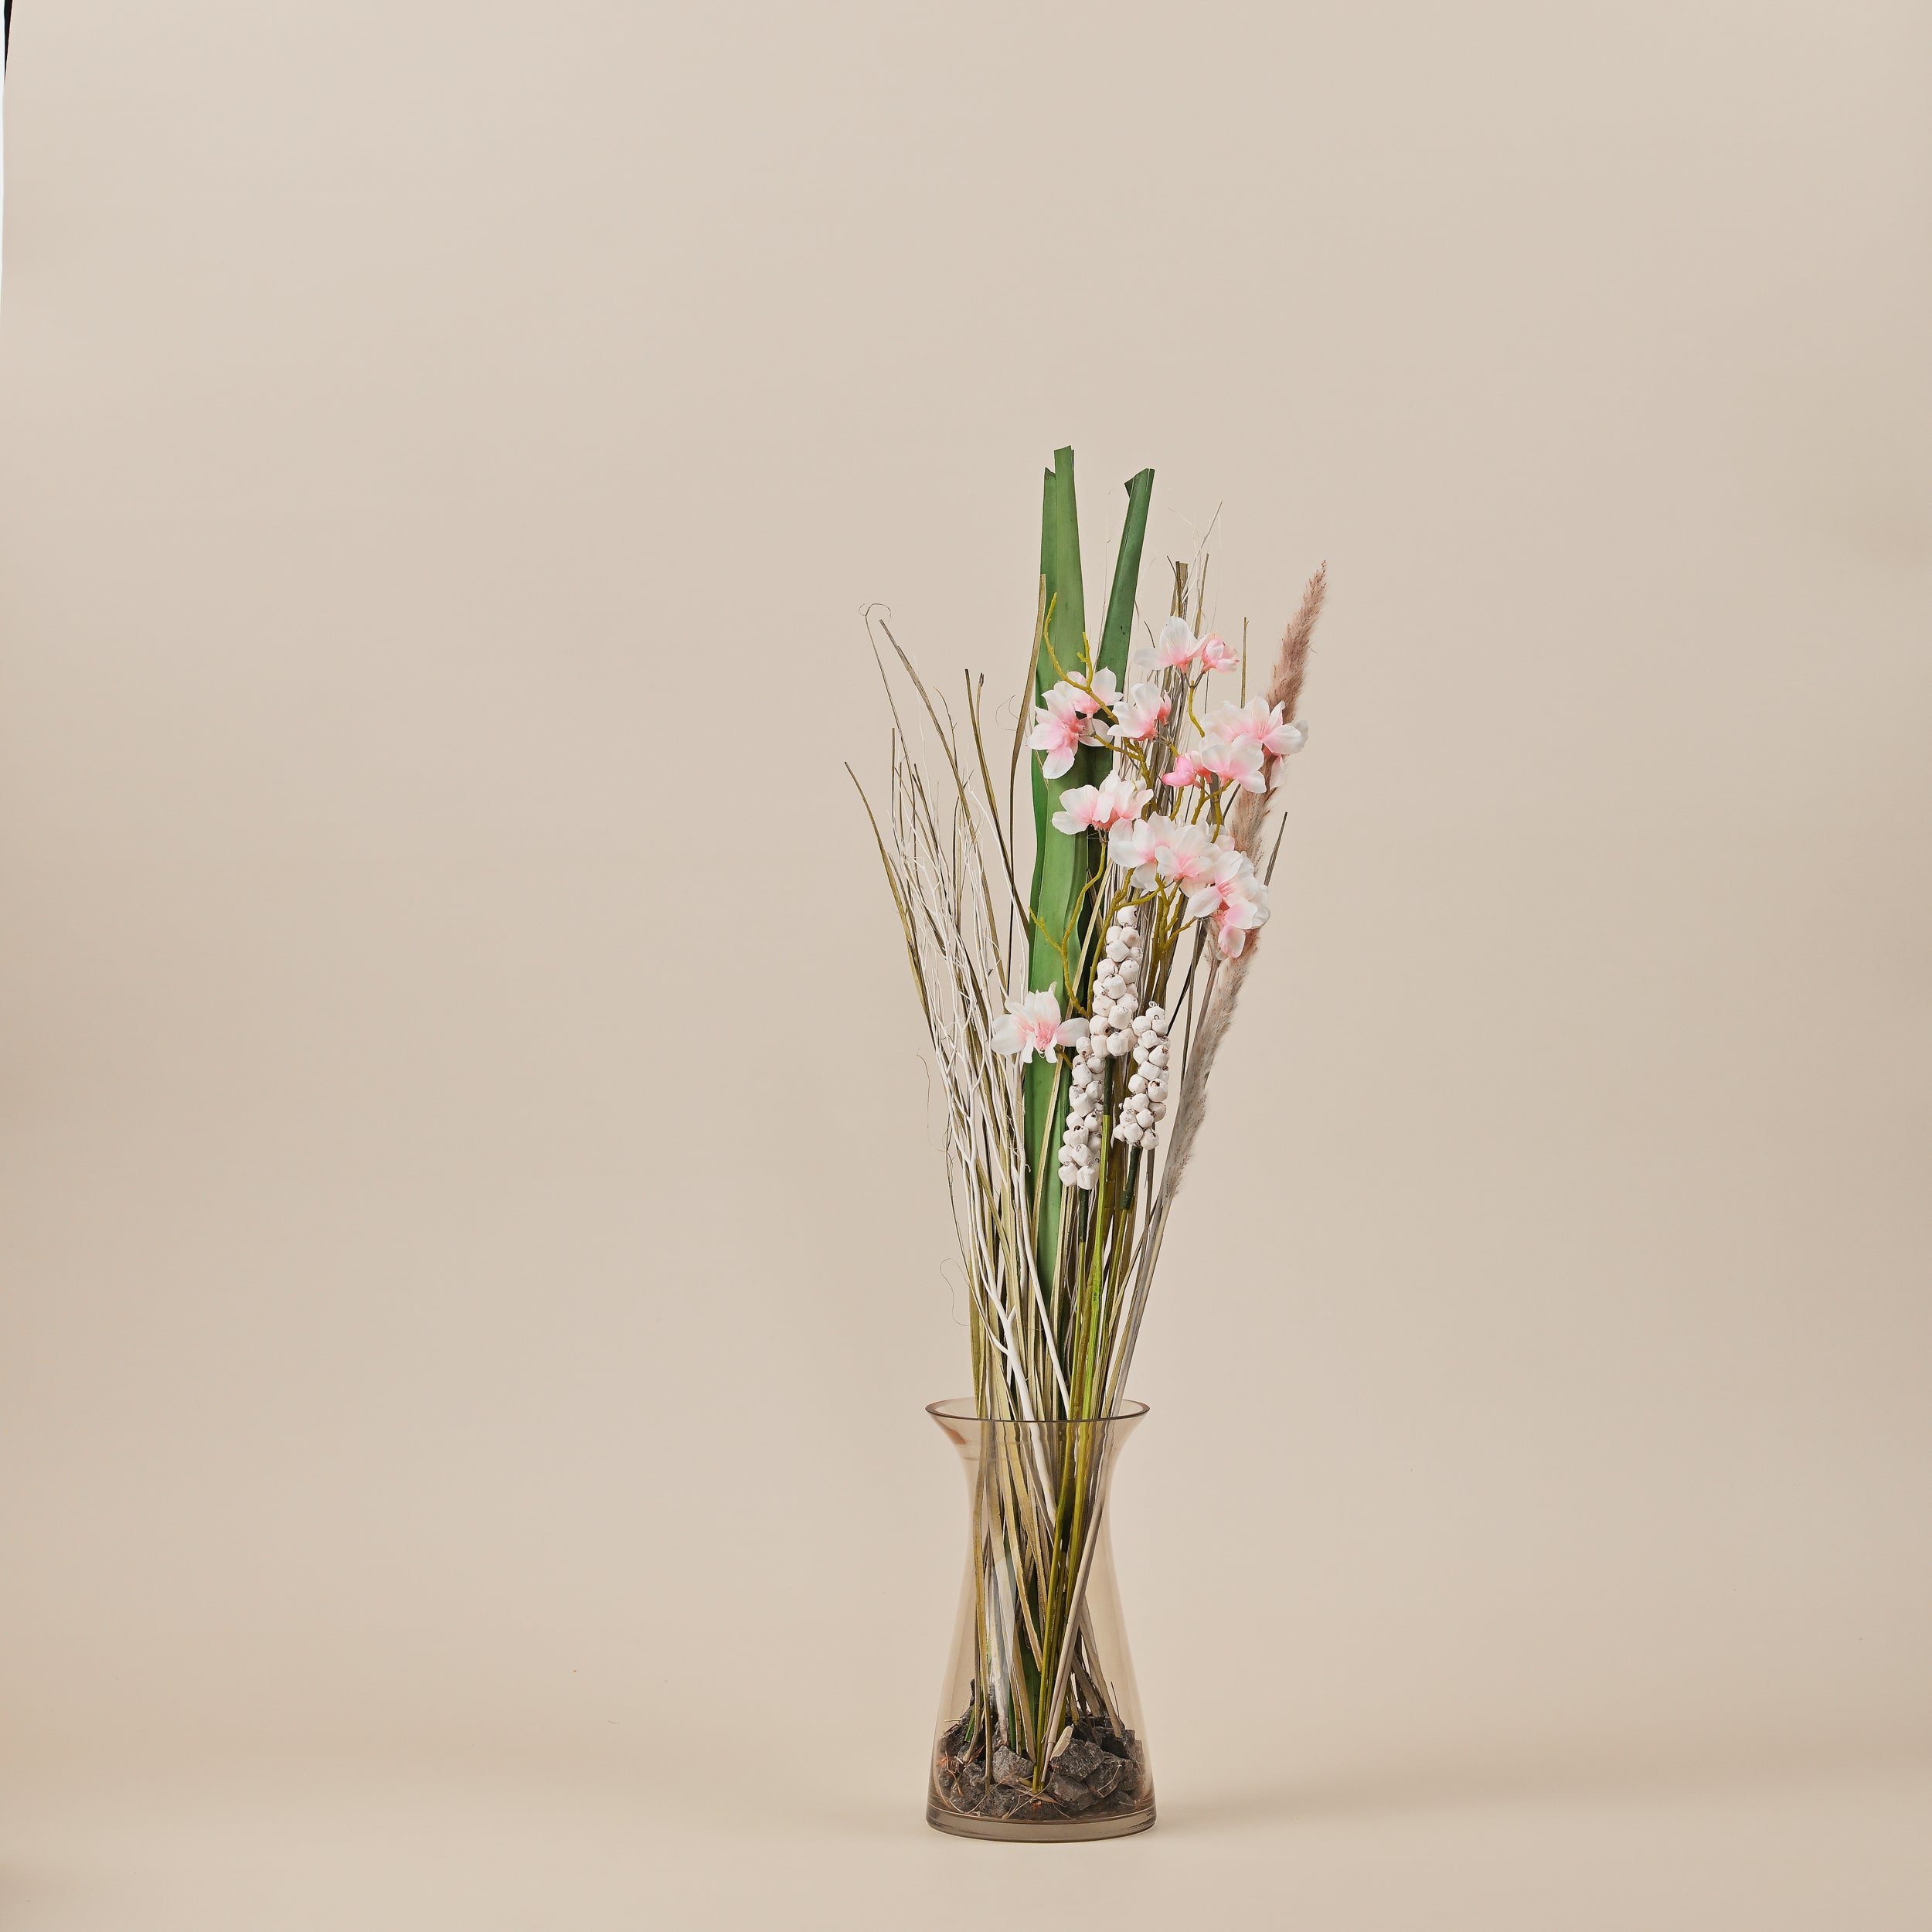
[(1040, 1734)]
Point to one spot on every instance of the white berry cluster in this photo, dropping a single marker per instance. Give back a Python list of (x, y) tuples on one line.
[(1117, 1026), (1079, 1146), (1116, 1002), (1146, 1102)]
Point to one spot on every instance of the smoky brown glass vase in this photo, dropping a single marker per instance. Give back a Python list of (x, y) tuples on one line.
[(1040, 1734)]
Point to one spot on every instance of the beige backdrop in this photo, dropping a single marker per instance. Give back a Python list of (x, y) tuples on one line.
[(472, 1266)]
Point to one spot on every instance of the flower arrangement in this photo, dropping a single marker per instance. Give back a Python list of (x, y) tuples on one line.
[(1074, 1026)]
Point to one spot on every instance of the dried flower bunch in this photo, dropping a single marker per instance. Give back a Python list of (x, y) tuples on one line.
[(1075, 1026)]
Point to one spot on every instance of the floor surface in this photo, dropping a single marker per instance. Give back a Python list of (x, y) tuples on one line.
[(263, 1847)]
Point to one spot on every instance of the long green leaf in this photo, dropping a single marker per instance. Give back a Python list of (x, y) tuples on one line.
[(1117, 632), (1055, 864), (1063, 864), (1059, 863)]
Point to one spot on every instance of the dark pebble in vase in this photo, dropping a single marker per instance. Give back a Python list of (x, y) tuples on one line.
[(1069, 1794)]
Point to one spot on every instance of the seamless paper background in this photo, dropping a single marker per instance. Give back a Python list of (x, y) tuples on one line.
[(473, 1256)]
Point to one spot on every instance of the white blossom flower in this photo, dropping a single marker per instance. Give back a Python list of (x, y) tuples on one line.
[(1235, 761), (1114, 800), (1061, 725), (1141, 715), (1218, 655), (1186, 857), (1178, 647), (1257, 721), (1235, 921), (1032, 1024), (1233, 898), (1135, 847), (1081, 810)]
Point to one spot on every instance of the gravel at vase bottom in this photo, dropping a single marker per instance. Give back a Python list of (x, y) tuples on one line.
[(1097, 1774)]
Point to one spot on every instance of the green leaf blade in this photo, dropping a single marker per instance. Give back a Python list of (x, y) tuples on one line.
[(1062, 865)]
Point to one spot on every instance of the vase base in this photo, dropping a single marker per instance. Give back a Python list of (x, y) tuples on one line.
[(1061, 1830)]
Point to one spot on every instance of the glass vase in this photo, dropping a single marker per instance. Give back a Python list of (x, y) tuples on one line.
[(1039, 1732)]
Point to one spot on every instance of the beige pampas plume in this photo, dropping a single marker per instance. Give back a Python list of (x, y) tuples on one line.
[(1225, 976), (1284, 689)]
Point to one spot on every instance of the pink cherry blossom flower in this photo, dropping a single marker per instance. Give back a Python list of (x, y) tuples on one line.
[(1178, 648), (1032, 1024), (1061, 726), (1141, 716), (1134, 846), (1105, 691), (1218, 655), (1082, 809), (1233, 761), (1185, 770), (1234, 922), (1114, 800), (1229, 894), (1187, 857), (1068, 719), (1220, 876), (1125, 800), (1255, 721)]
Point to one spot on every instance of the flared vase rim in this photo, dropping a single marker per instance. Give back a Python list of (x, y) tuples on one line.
[(964, 1409)]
